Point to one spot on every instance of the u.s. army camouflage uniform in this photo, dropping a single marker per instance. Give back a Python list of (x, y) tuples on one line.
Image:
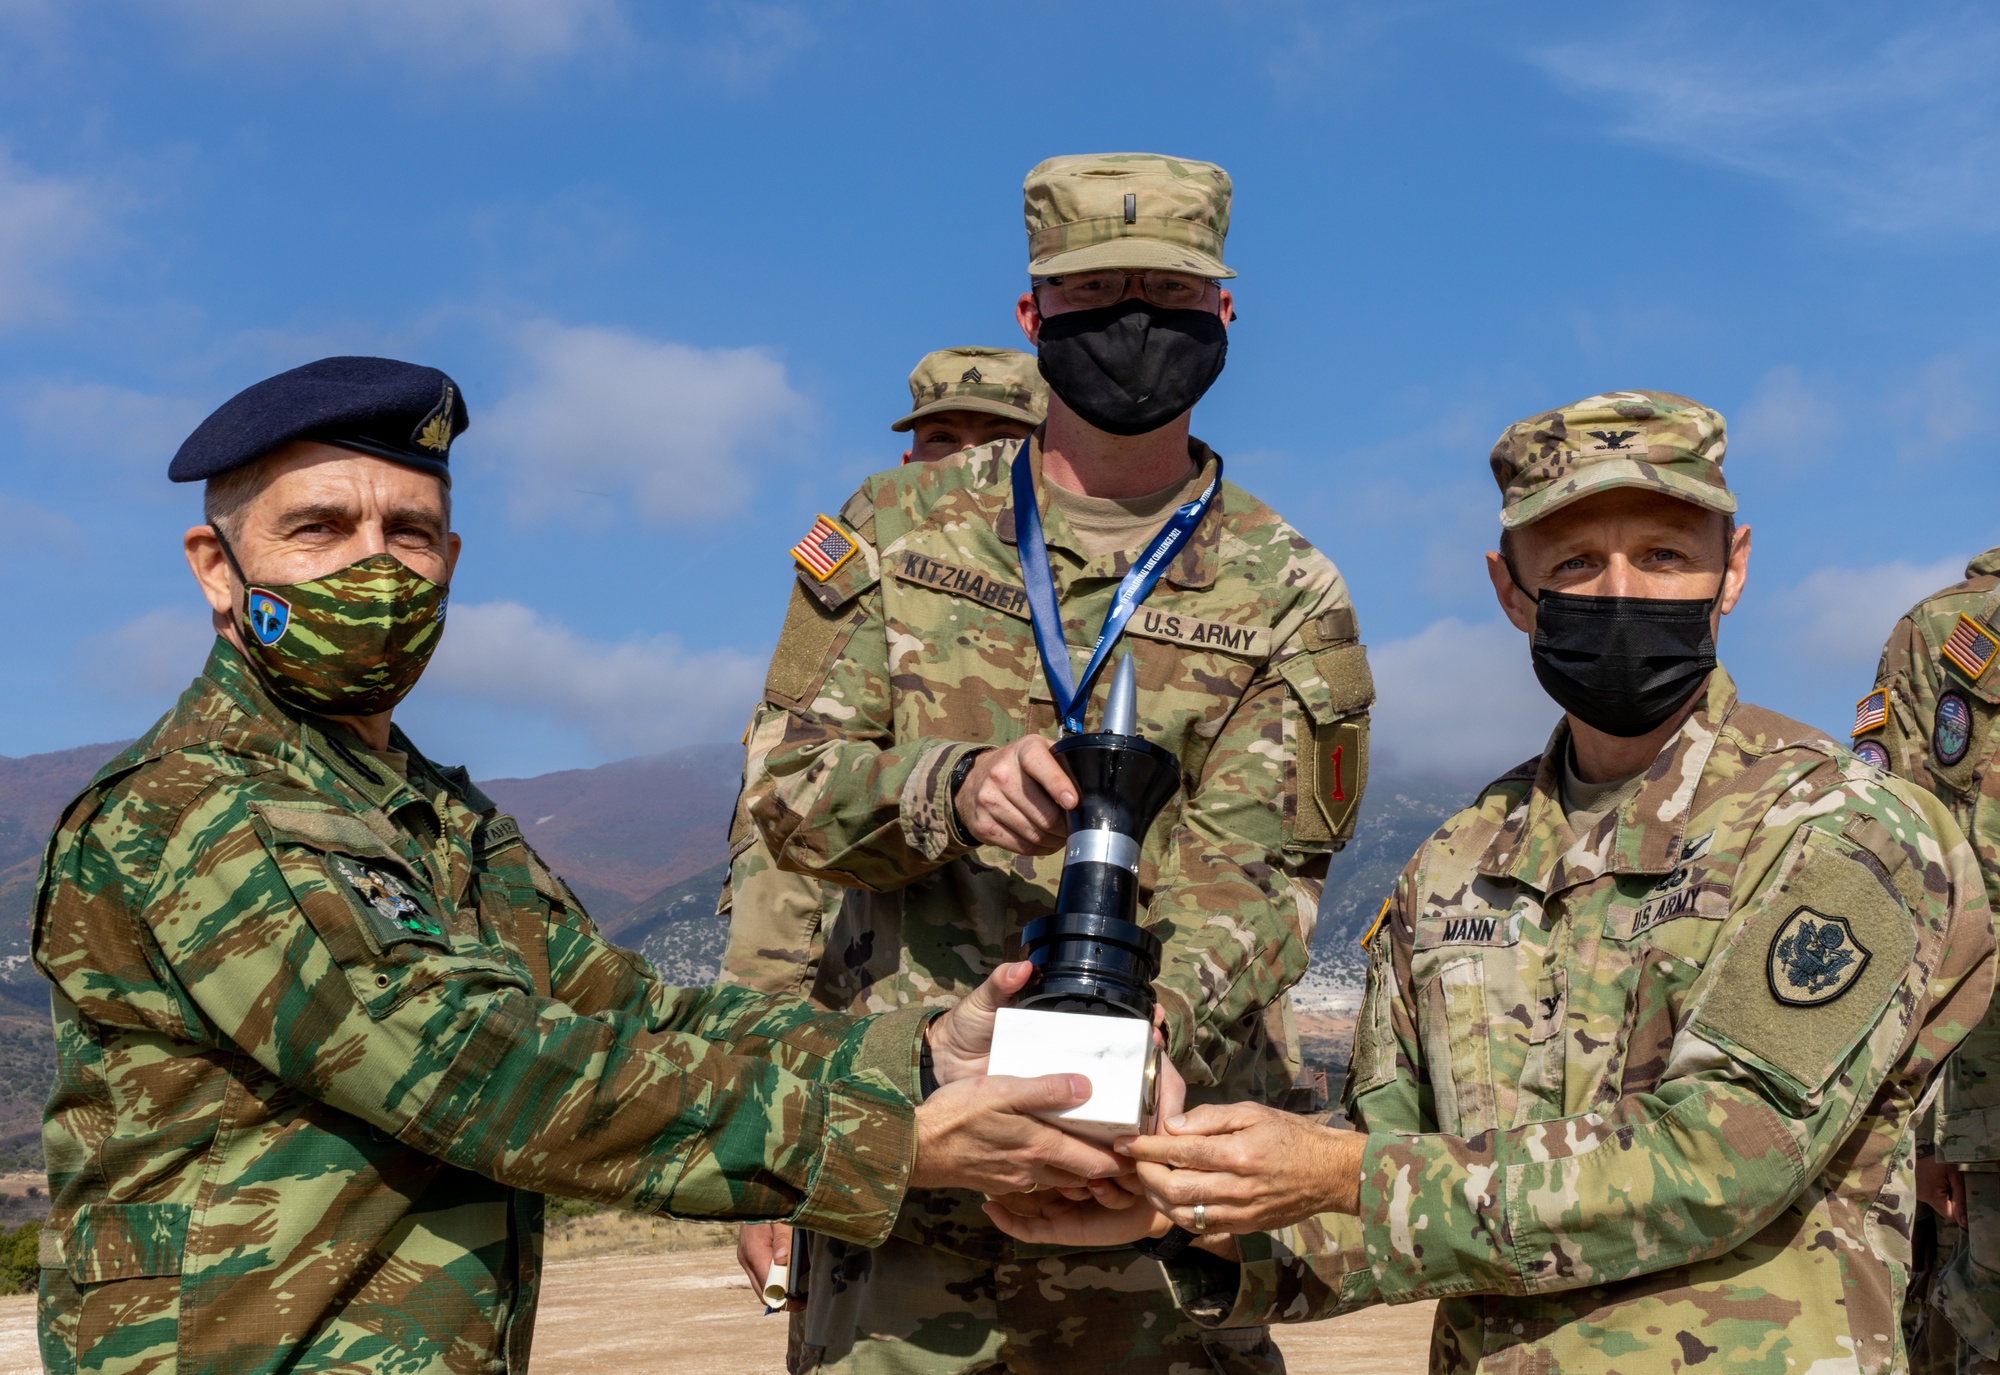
[(777, 920), (325, 1034), (917, 649), (1931, 719), (1641, 1099)]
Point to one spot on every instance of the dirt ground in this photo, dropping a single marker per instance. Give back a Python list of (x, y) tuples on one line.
[(690, 1312)]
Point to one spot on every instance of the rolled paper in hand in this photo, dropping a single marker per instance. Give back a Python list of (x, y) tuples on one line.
[(777, 1285)]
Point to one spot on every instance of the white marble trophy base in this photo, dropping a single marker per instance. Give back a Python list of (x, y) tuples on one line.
[(1116, 1054)]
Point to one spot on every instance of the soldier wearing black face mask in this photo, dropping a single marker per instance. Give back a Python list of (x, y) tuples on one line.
[(902, 750), (1647, 1024)]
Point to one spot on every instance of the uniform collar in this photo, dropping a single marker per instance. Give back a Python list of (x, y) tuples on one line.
[(1194, 567), (1534, 846), (329, 745)]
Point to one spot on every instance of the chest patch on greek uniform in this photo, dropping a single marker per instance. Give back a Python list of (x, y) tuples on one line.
[(393, 915), (1250, 641), (980, 587), (1814, 959)]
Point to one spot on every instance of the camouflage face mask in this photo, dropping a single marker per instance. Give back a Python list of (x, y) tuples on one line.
[(352, 643)]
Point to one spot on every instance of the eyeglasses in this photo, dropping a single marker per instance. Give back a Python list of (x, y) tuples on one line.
[(1089, 290)]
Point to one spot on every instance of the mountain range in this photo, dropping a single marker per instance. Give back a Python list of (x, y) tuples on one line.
[(643, 842)]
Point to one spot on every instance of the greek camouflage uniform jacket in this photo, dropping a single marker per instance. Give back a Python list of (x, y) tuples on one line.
[(324, 1037), (1934, 716), (1642, 1098), (919, 648)]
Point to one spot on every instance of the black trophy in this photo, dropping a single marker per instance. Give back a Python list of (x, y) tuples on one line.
[(1088, 1009)]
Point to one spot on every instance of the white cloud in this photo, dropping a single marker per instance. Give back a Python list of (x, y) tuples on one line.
[(1896, 131), (1786, 420), (1839, 617), (609, 418), (1942, 402), (440, 35), (95, 420), (149, 658), (45, 223), (637, 696), (1459, 700)]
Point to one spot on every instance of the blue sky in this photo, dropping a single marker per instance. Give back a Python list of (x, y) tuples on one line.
[(682, 257)]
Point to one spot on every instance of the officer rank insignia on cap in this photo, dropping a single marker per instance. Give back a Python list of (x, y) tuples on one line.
[(1871, 712), (1971, 646), (433, 432), (1814, 959), (824, 549)]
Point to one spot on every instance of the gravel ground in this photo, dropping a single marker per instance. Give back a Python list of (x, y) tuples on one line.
[(691, 1313)]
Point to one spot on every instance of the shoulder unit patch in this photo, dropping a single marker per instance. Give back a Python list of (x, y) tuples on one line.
[(1871, 712), (1970, 647), (1951, 727), (824, 549), (1814, 959), (1875, 752)]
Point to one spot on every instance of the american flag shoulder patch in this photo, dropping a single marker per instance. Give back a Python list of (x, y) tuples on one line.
[(1971, 646), (824, 549), (1871, 712)]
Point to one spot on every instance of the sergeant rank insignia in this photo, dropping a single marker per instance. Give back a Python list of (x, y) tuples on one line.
[(1971, 646), (824, 549), (1814, 959), (1871, 712)]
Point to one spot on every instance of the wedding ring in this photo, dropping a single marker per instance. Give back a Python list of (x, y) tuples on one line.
[(1201, 1217)]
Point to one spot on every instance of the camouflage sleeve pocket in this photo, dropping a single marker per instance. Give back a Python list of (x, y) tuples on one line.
[(374, 914), (1814, 968)]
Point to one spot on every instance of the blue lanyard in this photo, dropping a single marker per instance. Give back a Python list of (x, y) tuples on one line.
[(1138, 584)]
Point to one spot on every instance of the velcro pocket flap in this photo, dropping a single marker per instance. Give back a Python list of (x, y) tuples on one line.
[(1813, 968), (1331, 683), (125, 1241)]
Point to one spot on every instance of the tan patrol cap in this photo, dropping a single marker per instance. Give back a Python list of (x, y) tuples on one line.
[(1003, 382), (1129, 210), (1618, 439)]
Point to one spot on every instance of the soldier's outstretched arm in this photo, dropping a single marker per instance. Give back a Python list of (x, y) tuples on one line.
[(1756, 1097), (272, 953)]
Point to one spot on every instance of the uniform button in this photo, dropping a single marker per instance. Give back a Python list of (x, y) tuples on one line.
[(381, 980)]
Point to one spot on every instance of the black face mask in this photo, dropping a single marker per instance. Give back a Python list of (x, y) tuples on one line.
[(1621, 664), (1131, 367)]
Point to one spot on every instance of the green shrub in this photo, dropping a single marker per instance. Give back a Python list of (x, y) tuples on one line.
[(19, 1268)]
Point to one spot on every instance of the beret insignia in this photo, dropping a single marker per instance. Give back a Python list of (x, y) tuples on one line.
[(433, 432)]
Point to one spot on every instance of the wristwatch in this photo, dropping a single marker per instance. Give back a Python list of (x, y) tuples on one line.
[(1168, 1247), (958, 775)]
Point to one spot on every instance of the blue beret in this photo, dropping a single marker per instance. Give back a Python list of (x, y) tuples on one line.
[(399, 411)]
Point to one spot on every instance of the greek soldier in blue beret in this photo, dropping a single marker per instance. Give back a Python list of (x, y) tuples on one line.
[(328, 1029)]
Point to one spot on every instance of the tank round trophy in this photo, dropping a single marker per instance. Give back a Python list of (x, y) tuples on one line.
[(1088, 1008)]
